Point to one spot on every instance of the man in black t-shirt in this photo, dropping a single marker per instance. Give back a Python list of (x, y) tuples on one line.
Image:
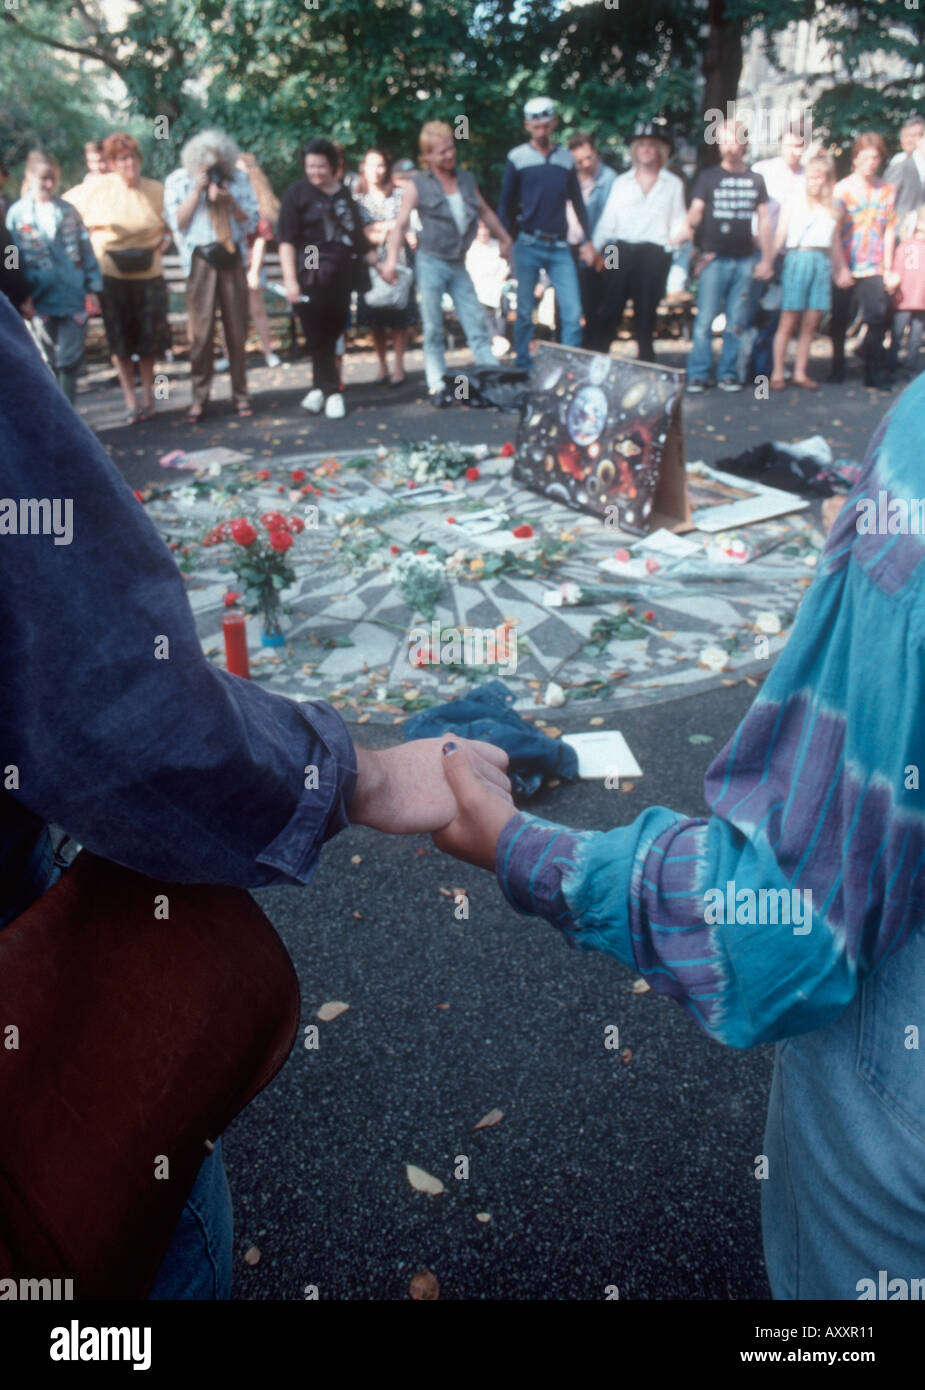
[(725, 200)]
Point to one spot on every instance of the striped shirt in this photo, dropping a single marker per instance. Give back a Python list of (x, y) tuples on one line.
[(816, 793)]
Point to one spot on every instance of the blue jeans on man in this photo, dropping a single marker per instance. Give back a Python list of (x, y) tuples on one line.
[(555, 257), (725, 285), (436, 277)]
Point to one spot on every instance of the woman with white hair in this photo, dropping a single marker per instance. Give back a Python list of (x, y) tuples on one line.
[(211, 208)]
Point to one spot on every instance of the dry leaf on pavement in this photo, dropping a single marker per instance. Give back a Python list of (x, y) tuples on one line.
[(333, 1009), (641, 986), (424, 1286), (493, 1117), (252, 1256), (423, 1182)]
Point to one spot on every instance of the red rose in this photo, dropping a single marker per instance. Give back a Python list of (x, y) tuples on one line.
[(412, 483), (263, 474), (242, 532), (521, 532), (507, 450), (622, 555), (421, 658), (273, 521), (648, 616), (652, 565), (139, 495), (395, 549), (472, 474), (422, 552), (298, 475), (451, 520), (231, 599), (307, 490), (280, 540), (280, 488), (295, 524)]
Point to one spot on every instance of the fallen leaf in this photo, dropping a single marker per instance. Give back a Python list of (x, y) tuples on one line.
[(626, 1055), (363, 718), (331, 1010), (356, 859), (252, 1256), (493, 1117), (699, 738), (424, 1286), (598, 719), (627, 786), (423, 1182), (554, 782), (446, 892), (483, 1216), (552, 731), (641, 986), (358, 916), (460, 892), (441, 1006)]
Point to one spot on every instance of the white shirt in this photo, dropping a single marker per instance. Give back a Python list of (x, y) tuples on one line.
[(487, 270), (458, 209), (807, 226), (631, 215), (781, 182)]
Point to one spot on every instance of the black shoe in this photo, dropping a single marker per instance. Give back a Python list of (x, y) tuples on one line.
[(837, 374), (439, 400)]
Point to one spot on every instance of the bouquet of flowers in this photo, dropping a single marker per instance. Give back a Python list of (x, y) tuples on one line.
[(260, 563), (420, 578)]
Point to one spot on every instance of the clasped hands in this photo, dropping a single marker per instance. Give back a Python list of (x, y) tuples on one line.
[(454, 788)]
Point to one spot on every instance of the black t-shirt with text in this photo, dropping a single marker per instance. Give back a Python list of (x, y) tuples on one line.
[(730, 201), (329, 222)]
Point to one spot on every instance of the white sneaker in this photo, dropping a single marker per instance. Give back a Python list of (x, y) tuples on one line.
[(272, 360), (334, 407), (314, 402), (221, 365)]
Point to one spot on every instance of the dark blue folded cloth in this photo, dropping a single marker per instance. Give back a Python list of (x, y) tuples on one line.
[(487, 713)]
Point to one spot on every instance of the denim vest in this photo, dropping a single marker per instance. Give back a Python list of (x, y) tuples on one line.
[(439, 233)]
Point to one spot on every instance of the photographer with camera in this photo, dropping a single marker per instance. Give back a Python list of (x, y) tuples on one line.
[(211, 208)]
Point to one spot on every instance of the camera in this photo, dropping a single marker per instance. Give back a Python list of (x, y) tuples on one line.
[(217, 176)]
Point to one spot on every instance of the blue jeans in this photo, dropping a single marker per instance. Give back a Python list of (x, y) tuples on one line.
[(197, 1264), (725, 284), (845, 1143), (435, 278), (530, 257)]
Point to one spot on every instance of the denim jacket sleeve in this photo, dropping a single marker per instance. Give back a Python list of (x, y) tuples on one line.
[(120, 730)]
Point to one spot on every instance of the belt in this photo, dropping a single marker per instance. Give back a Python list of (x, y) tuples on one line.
[(544, 237)]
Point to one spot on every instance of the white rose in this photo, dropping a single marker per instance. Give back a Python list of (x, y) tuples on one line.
[(714, 658), (769, 623)]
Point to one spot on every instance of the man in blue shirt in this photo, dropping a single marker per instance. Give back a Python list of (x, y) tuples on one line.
[(540, 178), (171, 767)]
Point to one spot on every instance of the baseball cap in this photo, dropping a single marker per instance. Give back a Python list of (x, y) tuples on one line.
[(539, 109)]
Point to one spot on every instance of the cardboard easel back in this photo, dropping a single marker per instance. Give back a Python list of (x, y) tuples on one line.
[(671, 508)]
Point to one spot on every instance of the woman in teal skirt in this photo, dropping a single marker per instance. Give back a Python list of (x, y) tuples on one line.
[(807, 232)]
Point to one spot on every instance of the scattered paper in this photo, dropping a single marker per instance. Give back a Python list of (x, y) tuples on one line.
[(602, 753)]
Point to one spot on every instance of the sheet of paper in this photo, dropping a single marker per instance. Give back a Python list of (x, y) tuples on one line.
[(602, 753)]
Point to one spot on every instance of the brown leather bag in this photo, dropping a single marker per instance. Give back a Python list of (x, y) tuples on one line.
[(137, 1037)]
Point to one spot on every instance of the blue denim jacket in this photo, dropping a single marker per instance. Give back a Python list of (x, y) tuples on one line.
[(171, 767), (60, 272)]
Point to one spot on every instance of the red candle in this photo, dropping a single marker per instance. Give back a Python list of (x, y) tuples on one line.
[(234, 627)]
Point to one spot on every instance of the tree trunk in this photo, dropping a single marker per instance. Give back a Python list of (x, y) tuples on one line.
[(722, 68)]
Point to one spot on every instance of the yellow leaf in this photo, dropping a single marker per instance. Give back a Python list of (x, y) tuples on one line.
[(483, 1216), (598, 719), (331, 1010), (423, 1182), (641, 986), (493, 1117)]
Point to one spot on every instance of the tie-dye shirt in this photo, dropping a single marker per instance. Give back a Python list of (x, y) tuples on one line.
[(817, 790), (867, 215)]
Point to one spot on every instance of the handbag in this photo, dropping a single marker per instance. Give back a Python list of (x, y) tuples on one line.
[(386, 296), (148, 1014), (218, 256), (131, 262)]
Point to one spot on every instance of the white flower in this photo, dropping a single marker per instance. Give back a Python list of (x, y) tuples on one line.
[(215, 470), (382, 453), (571, 592), (769, 623), (714, 658), (555, 695), (185, 496), (480, 452)]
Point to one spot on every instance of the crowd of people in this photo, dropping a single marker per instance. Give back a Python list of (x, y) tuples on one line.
[(775, 248)]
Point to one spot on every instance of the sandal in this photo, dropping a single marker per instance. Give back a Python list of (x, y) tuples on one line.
[(806, 383), (133, 417), (243, 409), (777, 383), (146, 413)]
